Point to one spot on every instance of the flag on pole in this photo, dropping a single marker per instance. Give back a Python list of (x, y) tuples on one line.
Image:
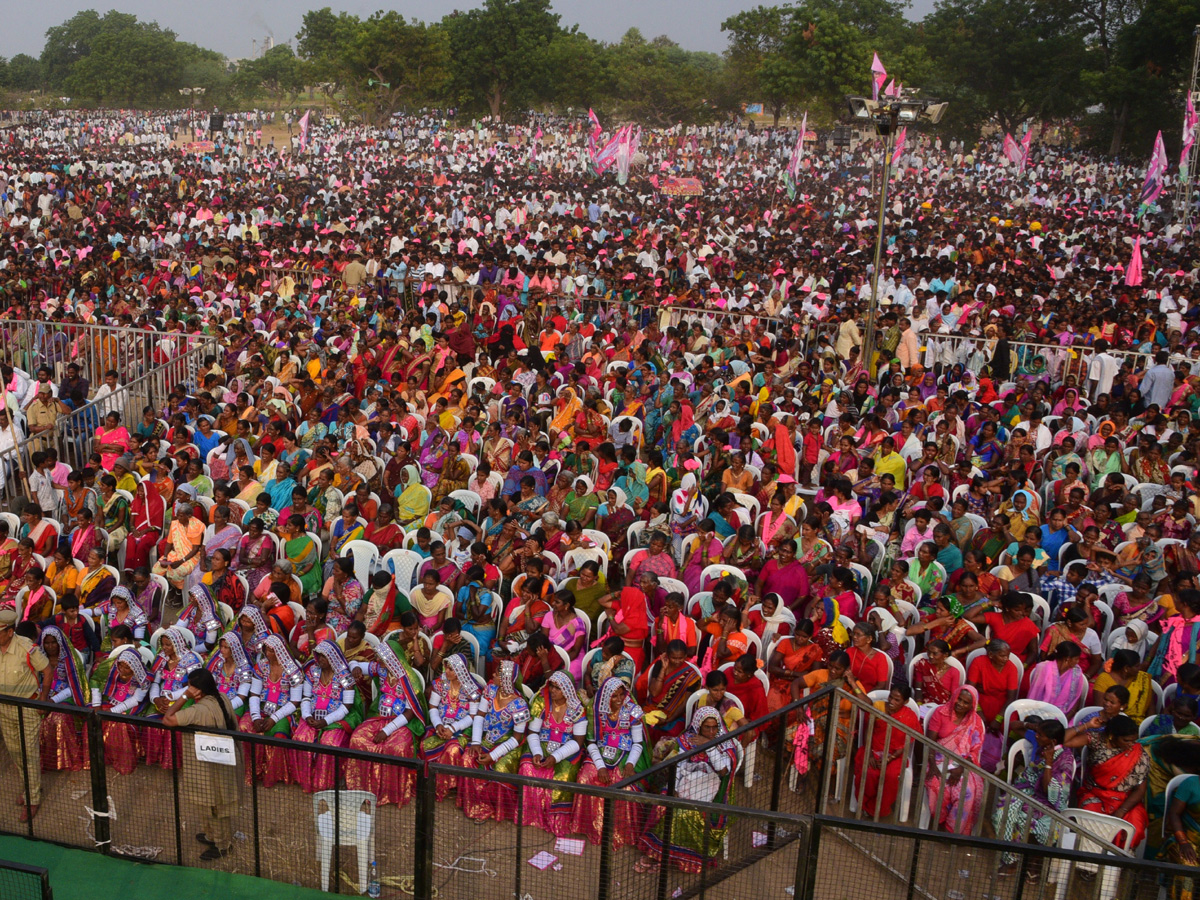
[(1133, 274), (901, 135), (1153, 185), (878, 76), (304, 131), (892, 89), (793, 166), (596, 129), (624, 154), (1012, 151), (1191, 120), (1025, 144)]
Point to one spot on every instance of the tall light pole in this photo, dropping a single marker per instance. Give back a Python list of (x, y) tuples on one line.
[(888, 114)]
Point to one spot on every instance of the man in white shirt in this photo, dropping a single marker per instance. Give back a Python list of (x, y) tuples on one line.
[(111, 385), (1102, 369)]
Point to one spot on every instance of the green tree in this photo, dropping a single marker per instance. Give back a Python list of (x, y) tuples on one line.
[(501, 54), (1008, 60), (24, 73), (659, 82), (758, 68), (387, 62), (277, 73)]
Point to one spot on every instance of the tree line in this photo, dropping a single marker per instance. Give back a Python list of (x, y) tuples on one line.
[(1116, 70)]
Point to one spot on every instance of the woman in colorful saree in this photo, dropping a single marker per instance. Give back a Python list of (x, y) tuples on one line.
[(123, 610), (232, 670), (397, 720), (124, 693), (616, 750), (412, 499), (201, 618), (696, 837), (553, 751), (497, 733), (1047, 779), (275, 694), (670, 681), (148, 515), (170, 670), (256, 554), (1176, 840), (1114, 777), (957, 726), (304, 554), (877, 769), (62, 747), (452, 704), (1058, 680), (329, 712), (179, 555)]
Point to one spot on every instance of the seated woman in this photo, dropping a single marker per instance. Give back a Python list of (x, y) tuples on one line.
[(61, 743), (201, 618), (995, 677), (497, 733), (397, 722), (452, 705), (475, 605), (696, 836), (1124, 670), (330, 710), (616, 750), (1114, 777), (671, 680), (1177, 838), (883, 762), (231, 670), (934, 681), (275, 694), (123, 610), (1180, 718), (1047, 779), (171, 667), (956, 726), (124, 693), (96, 583), (792, 657), (553, 752), (1059, 681)]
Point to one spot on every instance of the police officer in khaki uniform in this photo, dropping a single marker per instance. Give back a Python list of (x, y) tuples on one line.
[(20, 662)]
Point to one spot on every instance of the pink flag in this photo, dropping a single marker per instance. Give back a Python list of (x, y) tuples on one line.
[(304, 131), (1190, 121), (892, 89), (1133, 273), (798, 152), (1153, 185), (595, 124), (878, 76), (1025, 142), (901, 135)]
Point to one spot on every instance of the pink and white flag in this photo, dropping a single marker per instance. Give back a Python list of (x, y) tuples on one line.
[(878, 76), (304, 131), (901, 136), (1191, 120)]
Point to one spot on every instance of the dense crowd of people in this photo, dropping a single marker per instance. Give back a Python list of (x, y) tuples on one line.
[(507, 466)]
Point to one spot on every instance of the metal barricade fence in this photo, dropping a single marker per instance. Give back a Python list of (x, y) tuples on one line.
[(94, 348), (131, 787), (21, 882), (73, 434)]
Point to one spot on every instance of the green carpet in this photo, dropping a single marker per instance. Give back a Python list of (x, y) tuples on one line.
[(80, 875)]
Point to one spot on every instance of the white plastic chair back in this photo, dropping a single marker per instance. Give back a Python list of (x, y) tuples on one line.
[(356, 818)]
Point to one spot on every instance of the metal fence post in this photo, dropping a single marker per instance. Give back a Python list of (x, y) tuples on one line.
[(807, 859), (20, 710), (423, 836), (174, 739), (337, 826), (102, 833), (667, 820), (254, 808), (606, 838)]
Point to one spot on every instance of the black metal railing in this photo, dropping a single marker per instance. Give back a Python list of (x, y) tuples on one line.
[(21, 882), (449, 831)]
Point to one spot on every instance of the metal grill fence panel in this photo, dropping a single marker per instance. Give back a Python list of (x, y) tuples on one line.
[(425, 847)]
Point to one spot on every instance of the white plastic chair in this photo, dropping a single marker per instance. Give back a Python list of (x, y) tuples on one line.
[(1022, 750), (366, 560), (1020, 709), (357, 829), (716, 572), (470, 500), (950, 661), (1012, 658), (403, 564), (1108, 828)]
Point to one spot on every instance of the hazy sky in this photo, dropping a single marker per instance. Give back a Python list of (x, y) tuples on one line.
[(229, 26)]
